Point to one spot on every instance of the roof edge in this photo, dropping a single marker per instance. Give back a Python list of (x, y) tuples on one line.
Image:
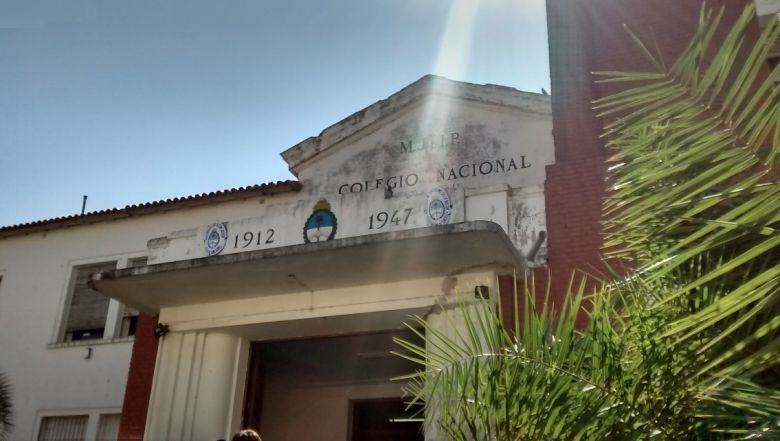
[(148, 208)]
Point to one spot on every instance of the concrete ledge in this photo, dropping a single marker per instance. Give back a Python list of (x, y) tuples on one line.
[(444, 250)]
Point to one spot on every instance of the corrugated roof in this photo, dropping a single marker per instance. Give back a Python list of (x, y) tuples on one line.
[(151, 207)]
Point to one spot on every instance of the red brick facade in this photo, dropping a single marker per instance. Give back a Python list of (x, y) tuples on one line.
[(139, 381), (587, 36)]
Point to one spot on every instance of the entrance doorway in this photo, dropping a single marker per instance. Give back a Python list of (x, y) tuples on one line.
[(330, 389)]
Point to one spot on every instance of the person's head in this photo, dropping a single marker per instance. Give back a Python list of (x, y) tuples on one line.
[(246, 435)]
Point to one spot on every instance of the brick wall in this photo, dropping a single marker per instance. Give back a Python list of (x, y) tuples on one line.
[(139, 381), (587, 36)]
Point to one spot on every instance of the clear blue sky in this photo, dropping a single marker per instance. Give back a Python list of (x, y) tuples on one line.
[(135, 101)]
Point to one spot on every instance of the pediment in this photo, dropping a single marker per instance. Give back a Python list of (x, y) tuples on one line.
[(427, 112), (439, 152)]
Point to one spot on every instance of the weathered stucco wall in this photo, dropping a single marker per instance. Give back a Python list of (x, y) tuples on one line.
[(35, 271), (472, 152)]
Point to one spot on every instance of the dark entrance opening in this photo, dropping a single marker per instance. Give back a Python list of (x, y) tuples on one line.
[(329, 389), (384, 420)]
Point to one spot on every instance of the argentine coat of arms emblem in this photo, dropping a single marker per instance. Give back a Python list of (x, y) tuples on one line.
[(321, 224)]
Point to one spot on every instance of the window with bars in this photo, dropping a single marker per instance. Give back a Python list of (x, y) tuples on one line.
[(90, 315), (88, 309), (92, 426), (63, 428)]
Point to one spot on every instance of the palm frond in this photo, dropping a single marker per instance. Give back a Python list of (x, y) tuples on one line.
[(700, 187), (617, 378)]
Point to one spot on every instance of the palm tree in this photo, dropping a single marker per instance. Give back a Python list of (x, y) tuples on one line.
[(5, 407), (685, 345)]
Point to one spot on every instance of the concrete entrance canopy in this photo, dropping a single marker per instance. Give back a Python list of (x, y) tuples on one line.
[(436, 251)]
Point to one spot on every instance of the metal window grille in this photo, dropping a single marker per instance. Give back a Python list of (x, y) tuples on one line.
[(63, 428), (88, 308)]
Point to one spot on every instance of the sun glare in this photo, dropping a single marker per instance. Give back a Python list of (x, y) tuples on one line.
[(451, 62), (453, 53)]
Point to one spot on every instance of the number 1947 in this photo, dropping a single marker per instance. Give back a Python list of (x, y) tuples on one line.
[(383, 218)]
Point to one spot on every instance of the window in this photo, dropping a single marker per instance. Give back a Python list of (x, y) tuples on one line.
[(90, 315), (63, 428), (86, 319), (129, 322), (86, 425), (108, 427)]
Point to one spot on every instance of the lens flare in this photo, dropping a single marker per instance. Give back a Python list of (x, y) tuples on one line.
[(438, 115), (456, 41)]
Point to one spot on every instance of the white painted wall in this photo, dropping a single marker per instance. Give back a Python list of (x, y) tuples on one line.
[(35, 272)]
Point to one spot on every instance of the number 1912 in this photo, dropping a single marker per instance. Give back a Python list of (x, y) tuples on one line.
[(249, 237)]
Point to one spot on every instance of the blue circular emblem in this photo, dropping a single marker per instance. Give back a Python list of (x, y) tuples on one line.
[(438, 210), (215, 238), (321, 224)]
